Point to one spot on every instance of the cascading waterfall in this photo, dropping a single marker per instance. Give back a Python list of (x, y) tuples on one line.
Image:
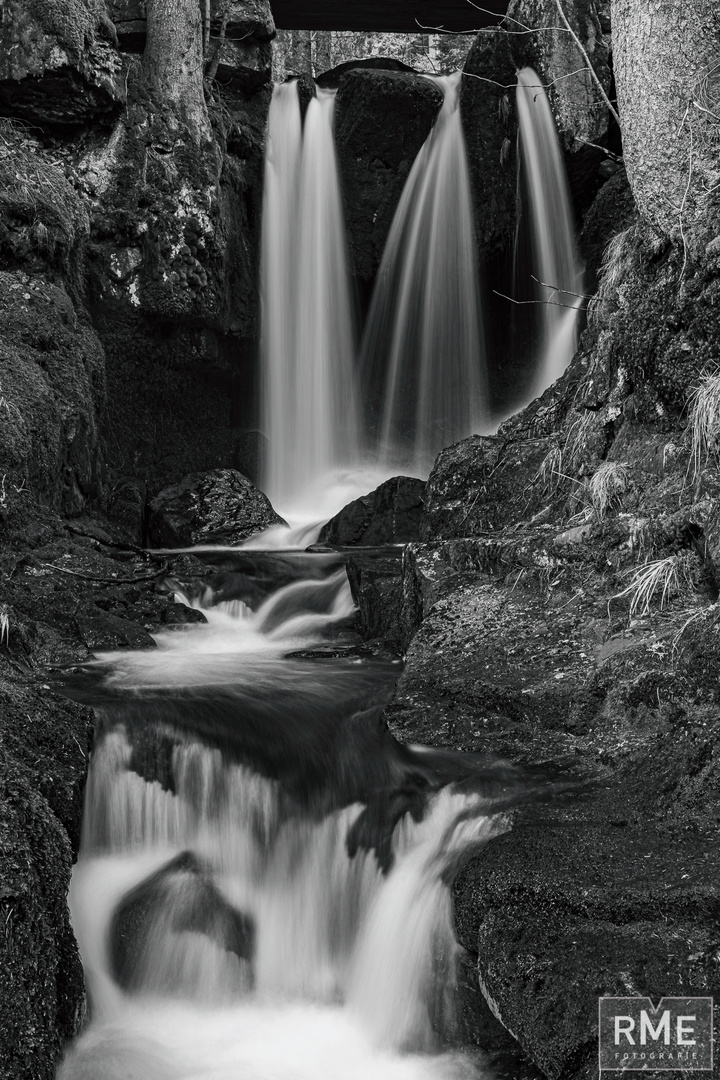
[(423, 345), (224, 927), (556, 264), (310, 408)]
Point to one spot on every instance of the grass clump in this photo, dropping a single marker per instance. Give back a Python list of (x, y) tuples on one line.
[(607, 485), (704, 421), (663, 577)]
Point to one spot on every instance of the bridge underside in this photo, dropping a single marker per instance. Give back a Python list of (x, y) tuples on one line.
[(398, 16)]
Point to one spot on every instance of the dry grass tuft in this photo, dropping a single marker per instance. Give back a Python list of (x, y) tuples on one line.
[(704, 421), (617, 261), (667, 577), (607, 485), (4, 625)]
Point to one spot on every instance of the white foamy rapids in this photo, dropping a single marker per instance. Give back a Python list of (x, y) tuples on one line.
[(346, 973), (423, 342), (556, 262), (236, 645), (308, 508)]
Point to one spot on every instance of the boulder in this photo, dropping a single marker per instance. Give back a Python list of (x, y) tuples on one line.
[(487, 103), (482, 484), (58, 62), (219, 507), (382, 119), (580, 113), (390, 514), (330, 80), (52, 387), (180, 897), (43, 1000), (559, 916), (376, 586)]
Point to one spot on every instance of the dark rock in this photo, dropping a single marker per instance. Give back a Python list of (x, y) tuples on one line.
[(376, 586), (52, 378), (248, 454), (101, 631), (490, 127), (579, 112), (126, 508), (382, 119), (483, 483), (390, 514), (180, 897), (561, 916), (612, 211), (43, 1000), (219, 507), (331, 79), (58, 63)]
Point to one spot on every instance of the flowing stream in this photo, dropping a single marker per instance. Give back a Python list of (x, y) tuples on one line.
[(253, 898)]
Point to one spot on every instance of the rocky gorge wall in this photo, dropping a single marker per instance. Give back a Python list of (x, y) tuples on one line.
[(127, 312)]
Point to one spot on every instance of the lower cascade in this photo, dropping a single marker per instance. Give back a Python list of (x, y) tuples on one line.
[(262, 889)]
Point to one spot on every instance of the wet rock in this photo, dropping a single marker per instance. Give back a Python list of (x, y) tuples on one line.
[(382, 120), (217, 507), (180, 897), (126, 508), (483, 483), (390, 514), (490, 128), (58, 63), (579, 111), (43, 999), (602, 910), (376, 586), (101, 630), (331, 79), (52, 379), (612, 211)]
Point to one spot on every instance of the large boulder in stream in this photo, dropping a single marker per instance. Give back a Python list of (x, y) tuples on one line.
[(217, 507), (382, 119), (390, 514), (178, 898)]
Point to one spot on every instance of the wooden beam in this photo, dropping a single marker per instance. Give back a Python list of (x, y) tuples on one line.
[(396, 16)]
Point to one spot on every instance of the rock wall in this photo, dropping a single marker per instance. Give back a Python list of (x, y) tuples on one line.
[(128, 307)]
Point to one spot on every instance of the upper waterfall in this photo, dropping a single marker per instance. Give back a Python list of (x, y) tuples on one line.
[(423, 345), (556, 264), (310, 411)]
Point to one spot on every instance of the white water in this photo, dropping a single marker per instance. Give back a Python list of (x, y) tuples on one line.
[(423, 342), (556, 263), (353, 971), (310, 408)]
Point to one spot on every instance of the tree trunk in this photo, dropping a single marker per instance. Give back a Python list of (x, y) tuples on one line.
[(666, 57), (301, 53), (173, 60)]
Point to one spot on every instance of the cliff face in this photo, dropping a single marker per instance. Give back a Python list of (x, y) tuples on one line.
[(128, 305)]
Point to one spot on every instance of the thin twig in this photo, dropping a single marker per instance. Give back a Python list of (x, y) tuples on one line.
[(593, 73), (556, 288), (530, 86), (109, 580), (553, 303)]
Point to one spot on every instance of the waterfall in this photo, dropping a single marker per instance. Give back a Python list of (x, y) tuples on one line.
[(556, 264), (310, 416), (423, 344), (228, 926)]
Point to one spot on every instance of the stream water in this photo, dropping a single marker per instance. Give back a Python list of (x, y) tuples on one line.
[(262, 885), (263, 888)]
